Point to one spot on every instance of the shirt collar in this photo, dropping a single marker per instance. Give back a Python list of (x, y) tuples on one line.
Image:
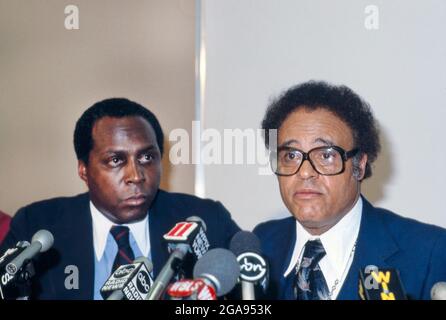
[(101, 229), (338, 241)]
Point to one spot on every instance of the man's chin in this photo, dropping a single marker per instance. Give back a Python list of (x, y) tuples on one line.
[(131, 215), (310, 221), (307, 214)]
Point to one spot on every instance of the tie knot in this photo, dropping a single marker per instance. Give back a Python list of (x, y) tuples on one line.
[(314, 252), (121, 235)]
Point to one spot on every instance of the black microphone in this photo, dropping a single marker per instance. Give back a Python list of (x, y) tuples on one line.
[(219, 269), (130, 281), (253, 267), (438, 291), (41, 241), (185, 237), (380, 284), (12, 286)]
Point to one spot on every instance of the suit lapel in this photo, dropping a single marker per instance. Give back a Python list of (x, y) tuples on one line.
[(374, 247), (77, 245), (160, 221), (281, 256)]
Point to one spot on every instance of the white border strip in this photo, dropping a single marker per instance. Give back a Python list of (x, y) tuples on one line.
[(200, 83)]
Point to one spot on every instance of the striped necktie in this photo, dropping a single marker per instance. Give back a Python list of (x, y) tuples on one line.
[(125, 253)]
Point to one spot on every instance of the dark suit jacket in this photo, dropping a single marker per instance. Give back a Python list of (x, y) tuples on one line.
[(69, 220), (385, 240)]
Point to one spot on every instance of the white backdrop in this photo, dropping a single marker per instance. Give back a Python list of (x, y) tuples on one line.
[(257, 48)]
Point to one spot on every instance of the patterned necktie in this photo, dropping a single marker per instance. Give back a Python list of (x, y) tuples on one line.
[(125, 253), (310, 282)]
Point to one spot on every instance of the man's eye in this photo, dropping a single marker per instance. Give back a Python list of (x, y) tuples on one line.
[(327, 155), (115, 161), (291, 156), (146, 158)]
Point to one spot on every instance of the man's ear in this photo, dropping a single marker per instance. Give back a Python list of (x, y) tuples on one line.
[(362, 165), (82, 171)]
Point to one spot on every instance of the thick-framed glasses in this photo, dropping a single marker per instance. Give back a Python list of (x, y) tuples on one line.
[(327, 161)]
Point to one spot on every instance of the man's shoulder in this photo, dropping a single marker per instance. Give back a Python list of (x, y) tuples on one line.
[(395, 220), (184, 200), (275, 227), (57, 215), (179, 206), (175, 207), (54, 206), (408, 230)]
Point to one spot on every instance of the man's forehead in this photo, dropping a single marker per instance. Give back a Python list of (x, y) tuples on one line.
[(304, 115), (319, 140), (122, 123), (114, 131), (316, 127)]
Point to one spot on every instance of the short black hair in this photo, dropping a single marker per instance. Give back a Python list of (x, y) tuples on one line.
[(115, 108), (341, 101)]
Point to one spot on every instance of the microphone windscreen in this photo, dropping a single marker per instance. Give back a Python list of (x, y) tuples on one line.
[(245, 241), (197, 219), (438, 291), (45, 238), (220, 266)]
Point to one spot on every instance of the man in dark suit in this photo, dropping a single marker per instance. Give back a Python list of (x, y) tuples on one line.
[(119, 146), (327, 140)]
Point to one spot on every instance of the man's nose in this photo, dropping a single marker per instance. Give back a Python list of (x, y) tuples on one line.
[(306, 170), (134, 172)]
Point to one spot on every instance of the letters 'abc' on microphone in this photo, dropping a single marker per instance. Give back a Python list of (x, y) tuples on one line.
[(215, 275), (380, 284), (129, 282), (187, 237), (253, 267)]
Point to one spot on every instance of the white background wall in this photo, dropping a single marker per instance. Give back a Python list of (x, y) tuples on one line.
[(257, 48)]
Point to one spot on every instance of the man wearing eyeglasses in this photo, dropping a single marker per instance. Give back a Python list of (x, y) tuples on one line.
[(327, 139)]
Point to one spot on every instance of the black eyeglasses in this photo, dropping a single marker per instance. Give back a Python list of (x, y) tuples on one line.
[(327, 161)]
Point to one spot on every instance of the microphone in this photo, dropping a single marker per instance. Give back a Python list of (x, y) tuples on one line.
[(20, 281), (380, 284), (188, 289), (41, 241), (130, 281), (219, 269), (185, 237), (16, 269), (253, 268), (11, 253), (215, 275), (438, 291)]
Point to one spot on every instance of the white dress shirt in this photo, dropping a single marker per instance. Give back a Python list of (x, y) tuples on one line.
[(101, 229), (339, 243)]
